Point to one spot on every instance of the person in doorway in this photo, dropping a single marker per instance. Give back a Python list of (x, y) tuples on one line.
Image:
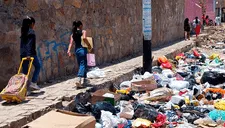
[(28, 49), (207, 20), (203, 19), (197, 26), (187, 29), (80, 51)]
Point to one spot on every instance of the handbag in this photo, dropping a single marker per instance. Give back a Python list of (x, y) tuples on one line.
[(91, 60)]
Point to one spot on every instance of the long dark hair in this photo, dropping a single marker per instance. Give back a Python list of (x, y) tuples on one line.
[(26, 26), (76, 24), (186, 21), (196, 20)]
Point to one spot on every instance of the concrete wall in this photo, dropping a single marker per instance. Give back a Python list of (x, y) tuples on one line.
[(167, 21), (115, 25)]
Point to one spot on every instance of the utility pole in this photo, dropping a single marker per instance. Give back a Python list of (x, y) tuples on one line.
[(221, 10), (147, 36)]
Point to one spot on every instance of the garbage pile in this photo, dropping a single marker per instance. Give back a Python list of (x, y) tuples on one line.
[(187, 91)]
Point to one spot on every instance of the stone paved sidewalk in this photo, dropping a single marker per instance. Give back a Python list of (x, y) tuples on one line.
[(60, 95)]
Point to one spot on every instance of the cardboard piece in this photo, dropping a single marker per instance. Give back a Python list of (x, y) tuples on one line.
[(100, 95), (63, 119), (90, 41), (144, 85)]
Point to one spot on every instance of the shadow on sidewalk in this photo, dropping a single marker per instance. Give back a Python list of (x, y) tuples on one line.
[(14, 103)]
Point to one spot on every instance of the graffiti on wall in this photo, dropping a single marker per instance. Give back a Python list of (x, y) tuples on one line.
[(53, 48)]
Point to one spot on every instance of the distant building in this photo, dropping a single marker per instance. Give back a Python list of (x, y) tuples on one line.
[(220, 3), (193, 8)]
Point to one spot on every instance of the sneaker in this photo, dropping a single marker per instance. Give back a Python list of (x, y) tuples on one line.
[(34, 86), (28, 92), (78, 82)]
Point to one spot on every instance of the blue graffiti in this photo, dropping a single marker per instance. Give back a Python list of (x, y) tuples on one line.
[(55, 47)]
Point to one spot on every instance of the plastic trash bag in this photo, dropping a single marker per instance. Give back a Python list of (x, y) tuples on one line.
[(98, 125), (136, 78), (183, 74), (162, 59), (156, 69), (126, 110), (82, 103), (194, 69), (172, 116), (205, 122), (108, 120), (125, 85), (106, 106), (195, 110), (217, 115), (192, 81), (160, 94), (96, 73), (213, 78), (215, 63), (191, 118), (196, 54), (203, 58), (168, 73), (220, 105), (179, 85), (213, 56), (141, 123), (147, 75), (161, 79), (145, 112), (216, 90), (160, 121), (128, 96), (167, 65)]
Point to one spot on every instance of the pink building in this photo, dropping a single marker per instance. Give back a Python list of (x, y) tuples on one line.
[(210, 8), (193, 9)]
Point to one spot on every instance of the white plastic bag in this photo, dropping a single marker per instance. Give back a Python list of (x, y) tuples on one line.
[(167, 72), (125, 85), (109, 121), (126, 110), (178, 85), (136, 78), (147, 75), (96, 73)]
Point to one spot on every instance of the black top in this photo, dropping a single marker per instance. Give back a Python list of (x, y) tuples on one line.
[(187, 27), (77, 38), (28, 46)]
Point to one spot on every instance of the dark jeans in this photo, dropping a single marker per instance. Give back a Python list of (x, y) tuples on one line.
[(36, 65), (81, 54)]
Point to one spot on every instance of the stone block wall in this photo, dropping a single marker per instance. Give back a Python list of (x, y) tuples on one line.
[(115, 25), (167, 21)]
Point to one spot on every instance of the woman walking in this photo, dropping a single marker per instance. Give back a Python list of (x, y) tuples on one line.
[(197, 25), (187, 29), (80, 51), (28, 49)]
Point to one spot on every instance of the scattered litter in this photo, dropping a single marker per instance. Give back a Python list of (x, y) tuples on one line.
[(96, 73)]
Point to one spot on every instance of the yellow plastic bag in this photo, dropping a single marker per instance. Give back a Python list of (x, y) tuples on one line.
[(141, 123), (220, 105), (213, 56)]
